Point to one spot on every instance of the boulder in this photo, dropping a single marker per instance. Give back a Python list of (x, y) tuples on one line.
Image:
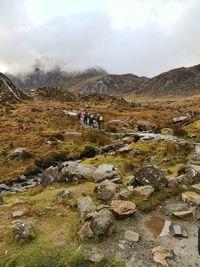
[(183, 214), (196, 187), (48, 176), (105, 171), (143, 191), (131, 236), (143, 125), (18, 153), (85, 206), (150, 175), (161, 254), (102, 222), (1, 200), (17, 213), (181, 119), (63, 196), (85, 231), (74, 171), (191, 197), (123, 208), (23, 230), (125, 194), (106, 190), (124, 150), (190, 174), (4, 187)]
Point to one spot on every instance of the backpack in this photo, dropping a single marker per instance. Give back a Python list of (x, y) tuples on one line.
[(100, 118)]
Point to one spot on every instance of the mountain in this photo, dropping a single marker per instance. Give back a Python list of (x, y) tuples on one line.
[(8, 91), (180, 81)]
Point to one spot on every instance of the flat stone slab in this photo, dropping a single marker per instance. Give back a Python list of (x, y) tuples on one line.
[(191, 197), (17, 213), (184, 214)]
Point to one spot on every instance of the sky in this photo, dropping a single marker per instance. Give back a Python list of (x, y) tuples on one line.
[(144, 37)]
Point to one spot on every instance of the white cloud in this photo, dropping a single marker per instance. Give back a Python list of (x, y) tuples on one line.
[(144, 37)]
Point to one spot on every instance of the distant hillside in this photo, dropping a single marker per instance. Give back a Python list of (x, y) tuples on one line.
[(181, 81), (8, 91)]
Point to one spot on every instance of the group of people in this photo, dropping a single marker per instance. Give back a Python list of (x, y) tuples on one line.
[(90, 119)]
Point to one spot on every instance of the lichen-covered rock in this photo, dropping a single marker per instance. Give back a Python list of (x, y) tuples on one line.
[(105, 171), (48, 176), (23, 230), (190, 174), (106, 190), (85, 206), (102, 222), (63, 196), (19, 153), (150, 175), (85, 231), (161, 254)]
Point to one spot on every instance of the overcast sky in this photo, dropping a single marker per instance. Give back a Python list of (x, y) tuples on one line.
[(144, 37)]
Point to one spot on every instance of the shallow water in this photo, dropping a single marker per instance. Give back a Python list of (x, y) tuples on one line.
[(155, 225)]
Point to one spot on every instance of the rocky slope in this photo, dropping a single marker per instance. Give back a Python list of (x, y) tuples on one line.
[(8, 91), (181, 81)]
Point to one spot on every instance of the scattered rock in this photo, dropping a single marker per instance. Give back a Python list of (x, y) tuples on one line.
[(63, 196), (150, 175), (1, 200), (95, 255), (23, 230), (19, 153), (17, 214), (105, 171), (4, 187), (123, 208), (143, 191), (106, 190), (131, 236), (48, 176), (183, 214), (196, 187), (102, 222), (85, 231), (85, 206), (191, 197), (177, 231), (161, 254), (181, 119), (167, 131), (145, 126), (125, 194), (124, 150), (74, 171), (190, 174)]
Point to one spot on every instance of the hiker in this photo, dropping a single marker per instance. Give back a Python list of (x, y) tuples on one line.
[(91, 120), (79, 115), (100, 121), (86, 117)]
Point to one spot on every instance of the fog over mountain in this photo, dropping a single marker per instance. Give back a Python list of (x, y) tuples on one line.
[(141, 37)]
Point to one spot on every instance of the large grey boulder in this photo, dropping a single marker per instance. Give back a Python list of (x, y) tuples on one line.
[(85, 206), (150, 175), (23, 230), (102, 222), (74, 171), (190, 174), (106, 190), (105, 171), (49, 175)]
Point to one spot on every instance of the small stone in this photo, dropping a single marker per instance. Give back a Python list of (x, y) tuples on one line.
[(183, 214), (85, 231), (143, 191), (106, 190), (105, 171), (17, 213), (85, 206), (196, 187), (123, 208), (131, 236)]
